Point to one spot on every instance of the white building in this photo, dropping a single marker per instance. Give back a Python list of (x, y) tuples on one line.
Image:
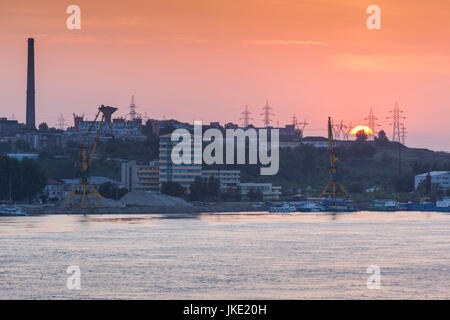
[(269, 191), (69, 184), (140, 177), (54, 189), (21, 156), (439, 177), (318, 142), (229, 179)]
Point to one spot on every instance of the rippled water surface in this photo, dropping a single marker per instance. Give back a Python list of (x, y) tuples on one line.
[(226, 256)]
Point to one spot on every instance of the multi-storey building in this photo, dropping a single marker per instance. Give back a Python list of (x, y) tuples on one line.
[(140, 177), (229, 179), (439, 177), (8, 127), (183, 173), (269, 191)]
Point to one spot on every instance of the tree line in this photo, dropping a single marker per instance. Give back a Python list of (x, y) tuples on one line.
[(20, 180)]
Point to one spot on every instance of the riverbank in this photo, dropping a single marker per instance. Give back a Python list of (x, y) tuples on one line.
[(144, 209)]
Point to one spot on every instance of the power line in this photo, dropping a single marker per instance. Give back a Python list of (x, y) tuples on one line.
[(267, 113), (61, 122), (246, 117), (372, 123), (396, 117)]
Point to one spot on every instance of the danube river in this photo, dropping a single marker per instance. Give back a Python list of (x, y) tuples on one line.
[(226, 256)]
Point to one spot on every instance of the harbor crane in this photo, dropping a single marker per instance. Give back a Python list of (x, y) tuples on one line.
[(86, 156), (334, 187)]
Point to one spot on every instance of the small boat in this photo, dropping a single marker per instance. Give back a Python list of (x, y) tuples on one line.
[(12, 211), (285, 208), (339, 205), (312, 206), (421, 206), (443, 205), (383, 205)]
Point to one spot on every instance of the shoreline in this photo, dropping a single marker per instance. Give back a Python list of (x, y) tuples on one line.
[(176, 210), (143, 210)]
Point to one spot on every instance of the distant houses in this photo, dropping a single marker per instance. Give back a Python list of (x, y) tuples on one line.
[(437, 177)]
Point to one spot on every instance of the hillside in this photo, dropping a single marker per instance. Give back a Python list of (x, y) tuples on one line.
[(361, 165)]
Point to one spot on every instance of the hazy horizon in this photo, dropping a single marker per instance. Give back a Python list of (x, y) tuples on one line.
[(206, 60)]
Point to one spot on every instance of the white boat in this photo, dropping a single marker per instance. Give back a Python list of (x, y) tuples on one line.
[(443, 205), (12, 211), (285, 208), (311, 206)]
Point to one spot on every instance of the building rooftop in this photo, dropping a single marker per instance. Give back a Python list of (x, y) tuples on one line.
[(433, 173)]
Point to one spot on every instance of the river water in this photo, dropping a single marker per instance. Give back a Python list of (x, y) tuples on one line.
[(226, 256)]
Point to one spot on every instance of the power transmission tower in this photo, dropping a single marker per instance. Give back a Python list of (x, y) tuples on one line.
[(403, 133), (246, 117), (337, 129), (396, 117), (372, 124), (267, 113), (295, 121), (145, 118), (346, 132), (132, 114), (303, 125), (61, 122)]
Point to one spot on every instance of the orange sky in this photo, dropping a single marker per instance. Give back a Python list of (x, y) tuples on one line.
[(204, 60)]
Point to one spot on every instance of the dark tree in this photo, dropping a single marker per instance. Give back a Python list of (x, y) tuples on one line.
[(20, 179), (111, 191), (361, 136), (172, 189), (5, 147), (255, 195), (43, 127), (22, 145), (360, 149), (382, 136), (213, 187), (198, 189)]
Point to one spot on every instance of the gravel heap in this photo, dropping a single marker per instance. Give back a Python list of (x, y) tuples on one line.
[(138, 199)]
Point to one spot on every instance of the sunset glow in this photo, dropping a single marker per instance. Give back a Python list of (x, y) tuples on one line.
[(357, 129), (206, 60)]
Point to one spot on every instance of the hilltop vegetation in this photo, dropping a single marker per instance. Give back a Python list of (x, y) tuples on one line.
[(362, 165)]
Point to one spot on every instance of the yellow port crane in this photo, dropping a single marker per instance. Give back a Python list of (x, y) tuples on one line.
[(84, 162), (334, 187)]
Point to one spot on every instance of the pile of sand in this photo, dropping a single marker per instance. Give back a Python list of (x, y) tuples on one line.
[(138, 199)]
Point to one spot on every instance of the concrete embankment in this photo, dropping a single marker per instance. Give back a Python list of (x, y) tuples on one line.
[(139, 202), (142, 210)]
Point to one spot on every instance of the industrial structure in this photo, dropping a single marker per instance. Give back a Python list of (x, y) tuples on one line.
[(132, 114), (30, 117), (372, 124), (403, 133), (396, 115), (333, 188), (61, 122), (246, 117), (267, 113), (85, 158)]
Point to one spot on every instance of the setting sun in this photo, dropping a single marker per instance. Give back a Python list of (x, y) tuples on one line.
[(366, 129)]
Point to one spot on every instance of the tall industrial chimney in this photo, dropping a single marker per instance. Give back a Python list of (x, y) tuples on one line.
[(31, 122)]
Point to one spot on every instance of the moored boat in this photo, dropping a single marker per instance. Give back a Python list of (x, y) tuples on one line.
[(12, 211)]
